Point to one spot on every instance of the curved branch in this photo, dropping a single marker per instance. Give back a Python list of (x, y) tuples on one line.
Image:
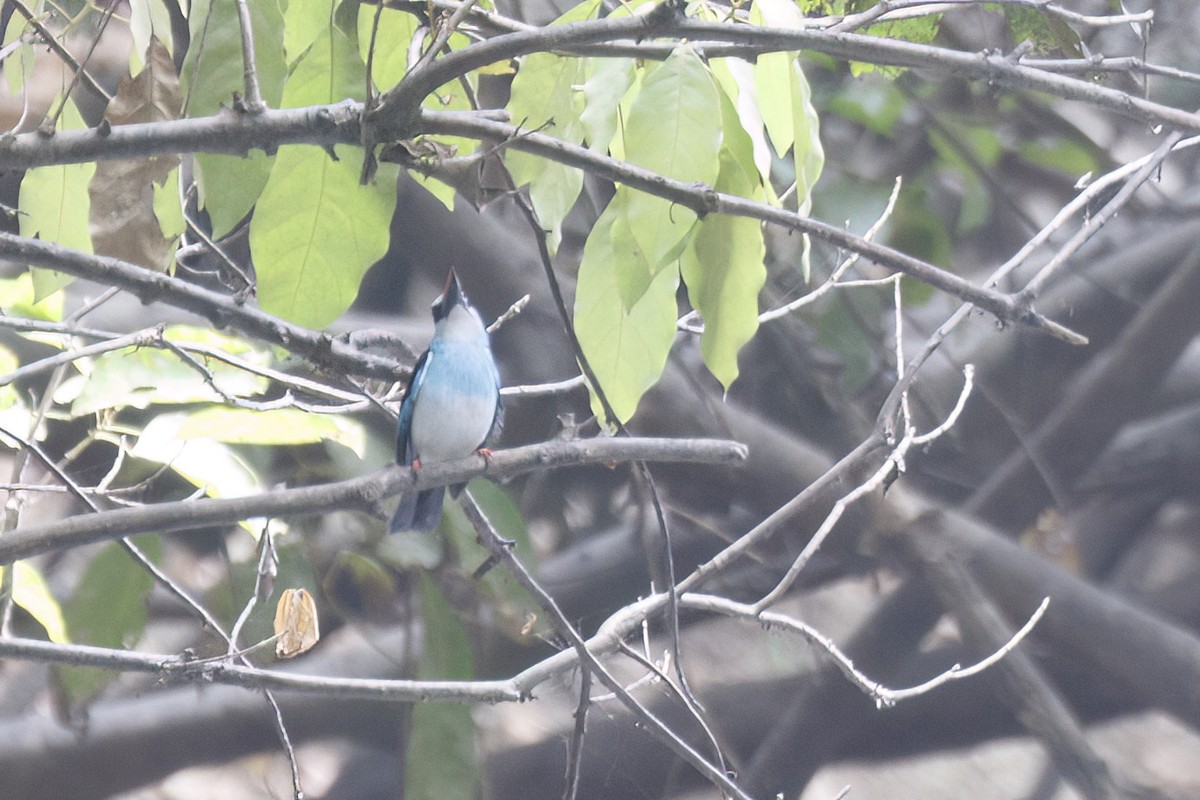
[(227, 131), (705, 200), (363, 493), (399, 110), (221, 309), (174, 668)]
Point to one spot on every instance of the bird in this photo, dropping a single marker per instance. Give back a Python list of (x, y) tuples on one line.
[(451, 407)]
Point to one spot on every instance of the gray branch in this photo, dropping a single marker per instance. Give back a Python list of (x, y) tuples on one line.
[(363, 493)]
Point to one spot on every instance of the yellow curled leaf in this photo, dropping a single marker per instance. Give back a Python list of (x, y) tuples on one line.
[(295, 623)]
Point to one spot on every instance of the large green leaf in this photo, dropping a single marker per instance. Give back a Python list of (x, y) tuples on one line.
[(18, 298), (395, 33), (148, 20), (510, 603), (280, 426), (137, 377), (546, 97), (304, 21), (315, 230), (31, 593), (1047, 33), (212, 75), (606, 83), (674, 129), (441, 760), (735, 77), (18, 33), (54, 205), (215, 467), (108, 609), (626, 347), (723, 264)]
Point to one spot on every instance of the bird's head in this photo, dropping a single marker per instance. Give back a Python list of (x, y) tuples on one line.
[(453, 314)]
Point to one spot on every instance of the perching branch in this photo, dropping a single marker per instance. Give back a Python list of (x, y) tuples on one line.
[(362, 493)]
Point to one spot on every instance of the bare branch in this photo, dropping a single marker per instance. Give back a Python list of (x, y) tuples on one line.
[(362, 493), (253, 101)]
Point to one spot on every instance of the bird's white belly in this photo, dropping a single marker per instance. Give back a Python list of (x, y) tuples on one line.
[(453, 428)]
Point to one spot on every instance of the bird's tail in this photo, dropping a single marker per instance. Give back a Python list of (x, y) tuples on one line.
[(418, 512)]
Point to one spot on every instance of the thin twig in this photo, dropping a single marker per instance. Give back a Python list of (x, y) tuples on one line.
[(445, 31), (253, 101), (1098, 220), (833, 281), (883, 696), (892, 464), (575, 745), (143, 338), (51, 41), (502, 549)]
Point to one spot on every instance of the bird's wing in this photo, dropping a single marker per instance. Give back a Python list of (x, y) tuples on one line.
[(497, 418), (404, 453)]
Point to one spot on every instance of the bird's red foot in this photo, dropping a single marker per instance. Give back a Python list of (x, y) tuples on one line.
[(416, 464), (486, 452)]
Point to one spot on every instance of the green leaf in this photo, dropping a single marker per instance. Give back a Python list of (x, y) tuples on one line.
[(168, 205), (207, 464), (441, 761), (9, 398), (315, 230), (807, 151), (674, 129), (785, 100), (18, 298), (875, 104), (509, 602), (735, 77), (108, 609), (329, 71), (396, 30), (921, 29), (212, 74), (16, 70), (31, 593), (360, 588), (54, 205), (280, 426), (139, 377), (626, 347), (148, 19), (773, 83), (1070, 157), (723, 265), (607, 82), (303, 22), (545, 97), (1047, 33)]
